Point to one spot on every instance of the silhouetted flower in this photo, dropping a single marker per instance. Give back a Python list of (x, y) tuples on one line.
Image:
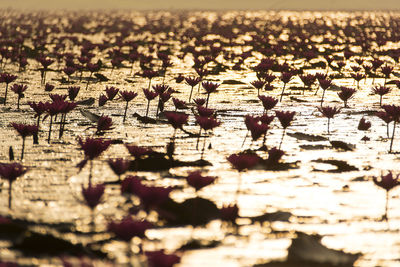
[(153, 196), (7, 78), (258, 85), (198, 181), (93, 147), (199, 101), (25, 130), (268, 102), (119, 166), (10, 172), (205, 112), (131, 185), (229, 213), (48, 87), (285, 117), (138, 151), (73, 92), (179, 104), (387, 182), (243, 161), (92, 194), (257, 129), (345, 94), (39, 108), (127, 96), (104, 123), (111, 92), (192, 82), (329, 112), (102, 100), (207, 123), (128, 228), (176, 119), (381, 91)]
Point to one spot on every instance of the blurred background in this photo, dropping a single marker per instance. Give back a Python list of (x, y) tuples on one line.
[(205, 4)]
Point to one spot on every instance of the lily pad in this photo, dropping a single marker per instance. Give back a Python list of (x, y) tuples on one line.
[(341, 166), (193, 211), (307, 137)]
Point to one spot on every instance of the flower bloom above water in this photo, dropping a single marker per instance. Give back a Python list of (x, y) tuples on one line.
[(388, 181), (92, 194), (243, 161), (93, 147), (11, 171), (176, 119), (198, 181), (128, 228)]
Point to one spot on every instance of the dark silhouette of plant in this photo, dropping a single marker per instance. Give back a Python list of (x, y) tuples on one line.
[(381, 91), (119, 166), (345, 94), (25, 130), (7, 79), (210, 87), (92, 148), (127, 96), (10, 172), (192, 82), (387, 182), (325, 84), (19, 89), (39, 108), (329, 113), (285, 78), (285, 118), (150, 95), (394, 112), (258, 85), (73, 92)]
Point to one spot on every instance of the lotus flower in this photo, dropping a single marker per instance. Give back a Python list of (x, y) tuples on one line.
[(10, 172), (387, 182), (329, 113)]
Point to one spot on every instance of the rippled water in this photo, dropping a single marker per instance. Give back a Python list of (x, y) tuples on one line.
[(345, 208)]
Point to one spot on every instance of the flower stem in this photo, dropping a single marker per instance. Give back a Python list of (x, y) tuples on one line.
[(126, 108), (245, 137), (198, 140), (23, 148), (208, 97), (90, 172), (391, 141), (322, 98), (385, 217), (147, 110), (38, 121), (5, 96), (51, 124), (329, 120), (191, 91), (283, 135), (283, 90)]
